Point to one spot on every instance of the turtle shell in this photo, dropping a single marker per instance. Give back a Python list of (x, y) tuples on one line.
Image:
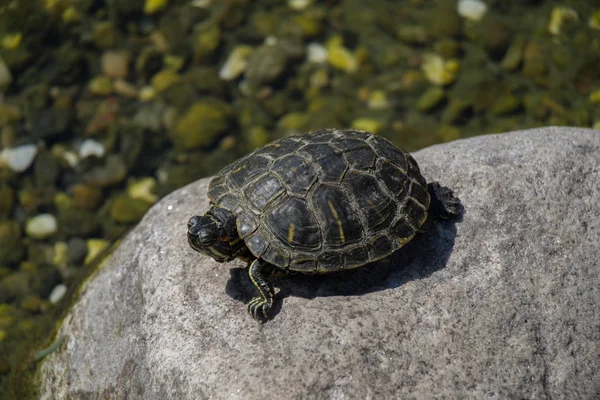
[(324, 201)]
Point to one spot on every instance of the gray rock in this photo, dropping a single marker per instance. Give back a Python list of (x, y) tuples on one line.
[(501, 304)]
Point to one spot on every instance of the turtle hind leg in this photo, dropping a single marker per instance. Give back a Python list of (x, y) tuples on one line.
[(444, 204), (260, 273)]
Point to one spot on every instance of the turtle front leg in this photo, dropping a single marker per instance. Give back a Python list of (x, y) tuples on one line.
[(260, 273)]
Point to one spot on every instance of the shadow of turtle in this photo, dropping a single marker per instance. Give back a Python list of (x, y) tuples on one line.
[(418, 259)]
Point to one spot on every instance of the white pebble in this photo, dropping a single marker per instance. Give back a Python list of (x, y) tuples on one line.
[(19, 158), (41, 226), (471, 9), (236, 63), (90, 147), (71, 158), (317, 53), (57, 293), (298, 5)]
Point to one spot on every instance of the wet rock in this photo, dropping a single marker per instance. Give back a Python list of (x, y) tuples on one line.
[(7, 200), (471, 9), (60, 257), (594, 20), (85, 197), (9, 113), (439, 71), (447, 48), (149, 116), (444, 20), (5, 75), (51, 122), (101, 86), (105, 34), (46, 169), (534, 60), (201, 124), (57, 293), (154, 6), (316, 53), (13, 248), (236, 63), (41, 226), (495, 36), (113, 171), (266, 64), (340, 57), (559, 16), (143, 189), (367, 124), (125, 88), (205, 80), (20, 158), (180, 95), (115, 64), (164, 80), (91, 148), (431, 98), (31, 303), (208, 40), (77, 249), (15, 286), (94, 248), (77, 222), (514, 55), (126, 209)]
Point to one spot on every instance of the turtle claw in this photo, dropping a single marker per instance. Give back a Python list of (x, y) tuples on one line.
[(259, 308)]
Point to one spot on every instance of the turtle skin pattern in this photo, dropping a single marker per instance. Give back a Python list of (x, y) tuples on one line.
[(325, 201)]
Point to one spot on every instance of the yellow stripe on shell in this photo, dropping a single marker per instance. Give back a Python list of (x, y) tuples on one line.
[(337, 220)]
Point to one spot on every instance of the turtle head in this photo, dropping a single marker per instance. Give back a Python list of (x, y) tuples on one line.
[(214, 234)]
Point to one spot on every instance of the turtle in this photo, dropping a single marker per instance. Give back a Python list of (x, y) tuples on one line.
[(325, 201)]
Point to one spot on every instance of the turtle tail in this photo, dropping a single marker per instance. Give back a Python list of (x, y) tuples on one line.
[(444, 204)]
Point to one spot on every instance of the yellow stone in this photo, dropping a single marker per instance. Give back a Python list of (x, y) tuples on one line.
[(95, 247), (378, 100), (559, 16), (173, 63), (439, 71), (341, 58), (125, 88), (143, 189), (154, 6), (101, 85), (164, 80), (61, 254), (367, 124), (595, 96), (71, 15), (594, 21), (147, 93), (12, 40)]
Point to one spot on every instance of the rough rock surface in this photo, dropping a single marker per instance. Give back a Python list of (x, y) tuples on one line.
[(503, 303)]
